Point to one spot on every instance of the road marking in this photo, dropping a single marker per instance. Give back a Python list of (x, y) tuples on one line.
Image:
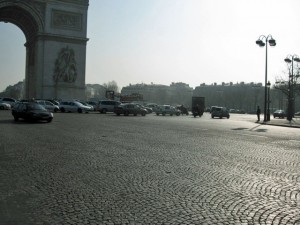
[(253, 135)]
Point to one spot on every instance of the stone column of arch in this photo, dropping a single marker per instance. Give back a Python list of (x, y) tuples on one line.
[(56, 41)]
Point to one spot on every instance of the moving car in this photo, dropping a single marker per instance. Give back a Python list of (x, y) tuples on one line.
[(279, 113), (220, 112), (129, 108), (73, 106), (31, 111)]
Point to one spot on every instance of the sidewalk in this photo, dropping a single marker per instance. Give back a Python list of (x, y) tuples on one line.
[(295, 122)]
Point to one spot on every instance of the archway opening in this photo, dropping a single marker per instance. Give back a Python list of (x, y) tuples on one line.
[(12, 59), (22, 19)]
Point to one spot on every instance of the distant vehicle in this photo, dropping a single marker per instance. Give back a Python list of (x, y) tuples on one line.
[(10, 101), (94, 104), (220, 112), (129, 108), (198, 106), (148, 109), (167, 109), (4, 105), (55, 102), (105, 106), (31, 111), (183, 110), (279, 113), (73, 106), (152, 105), (212, 108), (91, 108), (297, 113), (48, 105)]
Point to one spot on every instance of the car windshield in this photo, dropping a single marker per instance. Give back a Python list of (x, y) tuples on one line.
[(35, 106)]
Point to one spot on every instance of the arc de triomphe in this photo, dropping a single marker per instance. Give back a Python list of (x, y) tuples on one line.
[(55, 33)]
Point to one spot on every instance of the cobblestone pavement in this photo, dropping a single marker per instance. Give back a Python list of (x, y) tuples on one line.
[(102, 169)]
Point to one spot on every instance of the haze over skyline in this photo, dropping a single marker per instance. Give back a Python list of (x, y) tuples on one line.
[(165, 41)]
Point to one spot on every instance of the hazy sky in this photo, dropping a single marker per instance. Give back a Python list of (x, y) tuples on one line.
[(164, 41)]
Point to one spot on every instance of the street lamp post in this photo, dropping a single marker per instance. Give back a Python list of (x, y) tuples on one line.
[(260, 42), (268, 112), (268, 109), (290, 59)]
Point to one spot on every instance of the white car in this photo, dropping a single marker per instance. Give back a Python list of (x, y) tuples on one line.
[(73, 106), (48, 105), (4, 105)]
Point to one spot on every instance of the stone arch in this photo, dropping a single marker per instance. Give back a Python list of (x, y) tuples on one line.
[(49, 27)]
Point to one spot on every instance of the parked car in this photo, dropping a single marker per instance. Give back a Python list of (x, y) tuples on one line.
[(55, 102), (10, 101), (105, 106), (73, 106), (94, 104), (129, 108), (4, 105), (91, 108), (279, 113), (167, 109), (220, 112), (152, 105), (48, 105), (31, 111), (149, 110)]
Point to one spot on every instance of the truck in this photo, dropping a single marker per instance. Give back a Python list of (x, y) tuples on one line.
[(198, 106)]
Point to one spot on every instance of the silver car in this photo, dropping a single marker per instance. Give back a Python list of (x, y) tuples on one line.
[(105, 106), (4, 105), (73, 106), (48, 105)]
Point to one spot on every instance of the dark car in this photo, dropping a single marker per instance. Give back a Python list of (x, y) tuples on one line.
[(220, 112), (31, 111), (279, 113), (129, 108)]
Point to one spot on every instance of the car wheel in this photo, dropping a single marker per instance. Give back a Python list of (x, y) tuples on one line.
[(104, 111), (126, 113), (55, 110), (49, 120), (227, 117), (221, 117), (118, 114), (212, 117), (16, 118), (157, 114), (163, 114), (62, 110), (135, 114), (79, 110), (177, 114), (1, 107), (143, 114)]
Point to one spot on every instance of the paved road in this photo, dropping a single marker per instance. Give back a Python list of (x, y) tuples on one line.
[(102, 169)]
